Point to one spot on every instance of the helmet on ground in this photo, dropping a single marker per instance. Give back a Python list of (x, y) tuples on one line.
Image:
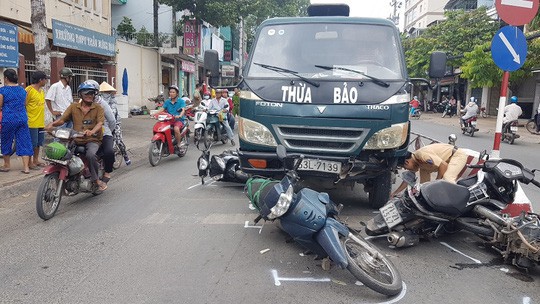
[(66, 72), (513, 99), (55, 150), (87, 87), (174, 87)]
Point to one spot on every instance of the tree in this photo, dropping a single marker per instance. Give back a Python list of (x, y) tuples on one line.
[(144, 37), (126, 29), (41, 41), (460, 33)]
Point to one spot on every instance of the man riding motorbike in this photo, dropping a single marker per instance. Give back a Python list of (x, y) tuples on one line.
[(175, 106), (470, 110), (88, 118), (223, 106), (511, 113)]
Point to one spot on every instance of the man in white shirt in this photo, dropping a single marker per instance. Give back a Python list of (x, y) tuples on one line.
[(511, 112), (221, 104), (59, 96)]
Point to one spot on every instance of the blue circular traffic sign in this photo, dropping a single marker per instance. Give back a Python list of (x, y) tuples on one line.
[(509, 48)]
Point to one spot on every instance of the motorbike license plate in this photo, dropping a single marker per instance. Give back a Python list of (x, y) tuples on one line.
[(473, 123), (513, 128), (320, 165), (391, 215)]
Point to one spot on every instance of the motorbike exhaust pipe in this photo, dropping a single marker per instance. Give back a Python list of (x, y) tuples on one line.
[(401, 239), (485, 212)]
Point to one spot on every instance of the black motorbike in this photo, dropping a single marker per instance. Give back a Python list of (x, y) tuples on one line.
[(223, 167), (474, 204), (447, 111), (509, 133)]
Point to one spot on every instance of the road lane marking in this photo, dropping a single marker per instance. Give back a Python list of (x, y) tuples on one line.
[(278, 280), (200, 184), (463, 254), (157, 218)]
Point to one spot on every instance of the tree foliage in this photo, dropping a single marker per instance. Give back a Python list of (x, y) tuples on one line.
[(458, 34), (228, 13), (125, 29)]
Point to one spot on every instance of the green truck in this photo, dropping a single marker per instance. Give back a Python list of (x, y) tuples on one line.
[(332, 88)]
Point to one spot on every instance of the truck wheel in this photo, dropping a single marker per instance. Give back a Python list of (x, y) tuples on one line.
[(380, 190)]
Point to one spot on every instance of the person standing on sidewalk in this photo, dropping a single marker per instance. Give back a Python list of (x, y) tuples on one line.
[(538, 119), (14, 122), (59, 97), (35, 108)]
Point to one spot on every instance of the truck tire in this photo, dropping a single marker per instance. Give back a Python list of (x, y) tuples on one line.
[(379, 193)]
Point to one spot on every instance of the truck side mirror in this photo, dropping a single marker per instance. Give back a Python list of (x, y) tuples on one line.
[(437, 65), (211, 66)]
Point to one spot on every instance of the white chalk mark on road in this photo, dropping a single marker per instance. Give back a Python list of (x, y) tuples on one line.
[(197, 185), (526, 300), (247, 225), (463, 254), (278, 280)]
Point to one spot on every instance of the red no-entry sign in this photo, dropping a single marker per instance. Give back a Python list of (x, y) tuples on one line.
[(517, 12)]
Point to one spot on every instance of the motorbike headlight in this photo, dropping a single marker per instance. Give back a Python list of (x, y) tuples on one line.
[(389, 138), (62, 133), (203, 164), (283, 204), (255, 133)]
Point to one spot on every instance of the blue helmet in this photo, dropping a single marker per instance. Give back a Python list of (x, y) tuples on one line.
[(86, 87), (513, 99)]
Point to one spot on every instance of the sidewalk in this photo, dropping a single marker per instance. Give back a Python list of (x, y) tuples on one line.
[(485, 125), (136, 131)]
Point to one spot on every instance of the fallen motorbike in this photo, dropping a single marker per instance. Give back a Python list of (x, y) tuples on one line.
[(531, 124), (66, 174), (215, 131), (474, 204), (164, 143), (469, 126), (223, 167), (310, 218), (510, 133)]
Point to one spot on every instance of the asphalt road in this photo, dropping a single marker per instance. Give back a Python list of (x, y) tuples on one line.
[(158, 236)]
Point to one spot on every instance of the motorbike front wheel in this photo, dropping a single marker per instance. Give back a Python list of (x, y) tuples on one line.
[(154, 153), (371, 267), (197, 137), (47, 201), (531, 126), (184, 145)]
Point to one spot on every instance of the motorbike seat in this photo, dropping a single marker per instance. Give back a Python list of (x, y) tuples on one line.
[(446, 197)]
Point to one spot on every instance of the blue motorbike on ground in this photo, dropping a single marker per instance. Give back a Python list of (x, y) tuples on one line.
[(310, 218)]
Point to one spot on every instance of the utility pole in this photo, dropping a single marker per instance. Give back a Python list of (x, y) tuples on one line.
[(395, 16), (156, 32), (241, 48), (173, 38)]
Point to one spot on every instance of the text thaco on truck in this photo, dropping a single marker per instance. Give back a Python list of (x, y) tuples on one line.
[(332, 88)]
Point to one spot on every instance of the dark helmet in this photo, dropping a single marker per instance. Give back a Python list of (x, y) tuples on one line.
[(66, 72), (513, 99), (86, 87)]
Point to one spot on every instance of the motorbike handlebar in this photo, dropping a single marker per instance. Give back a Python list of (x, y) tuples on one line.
[(536, 183), (475, 166)]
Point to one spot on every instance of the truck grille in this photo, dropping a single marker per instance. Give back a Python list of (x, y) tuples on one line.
[(309, 138)]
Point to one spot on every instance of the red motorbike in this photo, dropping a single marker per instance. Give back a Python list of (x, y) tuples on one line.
[(66, 174), (164, 143)]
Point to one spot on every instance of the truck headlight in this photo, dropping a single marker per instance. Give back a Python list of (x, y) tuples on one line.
[(255, 133), (389, 138), (283, 204)]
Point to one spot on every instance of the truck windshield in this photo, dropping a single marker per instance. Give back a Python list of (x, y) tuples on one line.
[(350, 51)]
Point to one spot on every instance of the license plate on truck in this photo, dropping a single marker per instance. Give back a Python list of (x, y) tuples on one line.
[(320, 165), (391, 215)]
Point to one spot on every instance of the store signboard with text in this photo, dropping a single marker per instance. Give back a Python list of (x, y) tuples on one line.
[(77, 38), (9, 45)]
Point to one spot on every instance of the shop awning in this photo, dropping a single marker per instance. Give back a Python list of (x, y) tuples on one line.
[(25, 36)]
